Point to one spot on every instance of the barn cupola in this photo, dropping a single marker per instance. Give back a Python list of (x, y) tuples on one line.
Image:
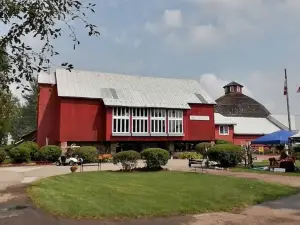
[(233, 87)]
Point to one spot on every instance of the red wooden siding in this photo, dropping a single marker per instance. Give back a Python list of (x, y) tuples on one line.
[(196, 130), (82, 120), (48, 115), (228, 137), (242, 139)]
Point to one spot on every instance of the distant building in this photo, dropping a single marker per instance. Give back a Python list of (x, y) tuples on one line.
[(240, 119), (111, 110)]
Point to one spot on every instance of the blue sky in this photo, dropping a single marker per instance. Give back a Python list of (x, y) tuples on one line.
[(212, 41)]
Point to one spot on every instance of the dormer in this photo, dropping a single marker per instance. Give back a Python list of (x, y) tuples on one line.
[(233, 87)]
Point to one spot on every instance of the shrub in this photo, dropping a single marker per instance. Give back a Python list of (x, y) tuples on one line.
[(296, 148), (189, 155), (50, 153), (7, 148), (127, 159), (87, 153), (219, 142), (2, 155), (297, 155), (155, 158), (34, 149), (200, 148), (20, 154), (227, 155)]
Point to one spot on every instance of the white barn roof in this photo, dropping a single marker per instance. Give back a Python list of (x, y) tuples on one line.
[(46, 78), (247, 125), (223, 120), (131, 91)]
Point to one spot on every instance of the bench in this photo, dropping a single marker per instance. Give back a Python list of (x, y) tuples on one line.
[(195, 161)]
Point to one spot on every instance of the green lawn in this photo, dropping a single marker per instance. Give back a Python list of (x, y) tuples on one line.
[(261, 164), (146, 194)]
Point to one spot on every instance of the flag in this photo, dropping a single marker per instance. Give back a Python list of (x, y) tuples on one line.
[(298, 91), (285, 85)]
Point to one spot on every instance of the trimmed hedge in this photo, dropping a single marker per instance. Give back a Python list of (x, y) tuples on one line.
[(189, 155), (127, 159), (200, 147), (155, 158), (50, 153), (34, 149), (219, 142), (20, 154), (2, 155), (228, 155), (87, 153)]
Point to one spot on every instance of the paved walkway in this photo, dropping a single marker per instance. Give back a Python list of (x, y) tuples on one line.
[(284, 211)]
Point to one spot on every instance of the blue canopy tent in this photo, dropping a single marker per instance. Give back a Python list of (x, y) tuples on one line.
[(275, 138)]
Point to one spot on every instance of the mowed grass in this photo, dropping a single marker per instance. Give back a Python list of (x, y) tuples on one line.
[(148, 194), (263, 164)]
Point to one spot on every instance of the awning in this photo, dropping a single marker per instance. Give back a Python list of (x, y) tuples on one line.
[(275, 138)]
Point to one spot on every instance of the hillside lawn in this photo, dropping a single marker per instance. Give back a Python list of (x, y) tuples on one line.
[(107, 195)]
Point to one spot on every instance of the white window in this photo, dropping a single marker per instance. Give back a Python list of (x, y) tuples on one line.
[(158, 121), (139, 121), (175, 118), (231, 89), (224, 130), (121, 120), (238, 89)]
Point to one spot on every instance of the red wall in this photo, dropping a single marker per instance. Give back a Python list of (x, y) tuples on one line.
[(47, 116), (242, 139), (229, 137), (193, 130), (199, 130), (82, 120)]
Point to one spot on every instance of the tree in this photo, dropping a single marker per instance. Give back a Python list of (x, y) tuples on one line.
[(8, 108), (25, 116), (29, 109), (43, 19)]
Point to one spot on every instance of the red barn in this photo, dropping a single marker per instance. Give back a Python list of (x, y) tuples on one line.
[(109, 110)]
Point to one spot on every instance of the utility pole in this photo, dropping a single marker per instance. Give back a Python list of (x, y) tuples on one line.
[(286, 92)]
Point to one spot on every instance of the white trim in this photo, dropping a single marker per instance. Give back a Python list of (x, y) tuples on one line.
[(158, 121), (121, 121), (139, 123), (238, 89), (231, 89), (224, 133), (158, 134), (206, 118), (175, 121), (176, 135)]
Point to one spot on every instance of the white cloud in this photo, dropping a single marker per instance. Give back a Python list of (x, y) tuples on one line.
[(214, 85), (218, 22), (172, 18), (151, 27), (204, 35), (137, 43)]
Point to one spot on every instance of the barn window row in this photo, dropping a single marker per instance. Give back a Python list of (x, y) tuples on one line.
[(142, 121)]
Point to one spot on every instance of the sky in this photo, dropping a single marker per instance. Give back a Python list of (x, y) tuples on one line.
[(212, 41)]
